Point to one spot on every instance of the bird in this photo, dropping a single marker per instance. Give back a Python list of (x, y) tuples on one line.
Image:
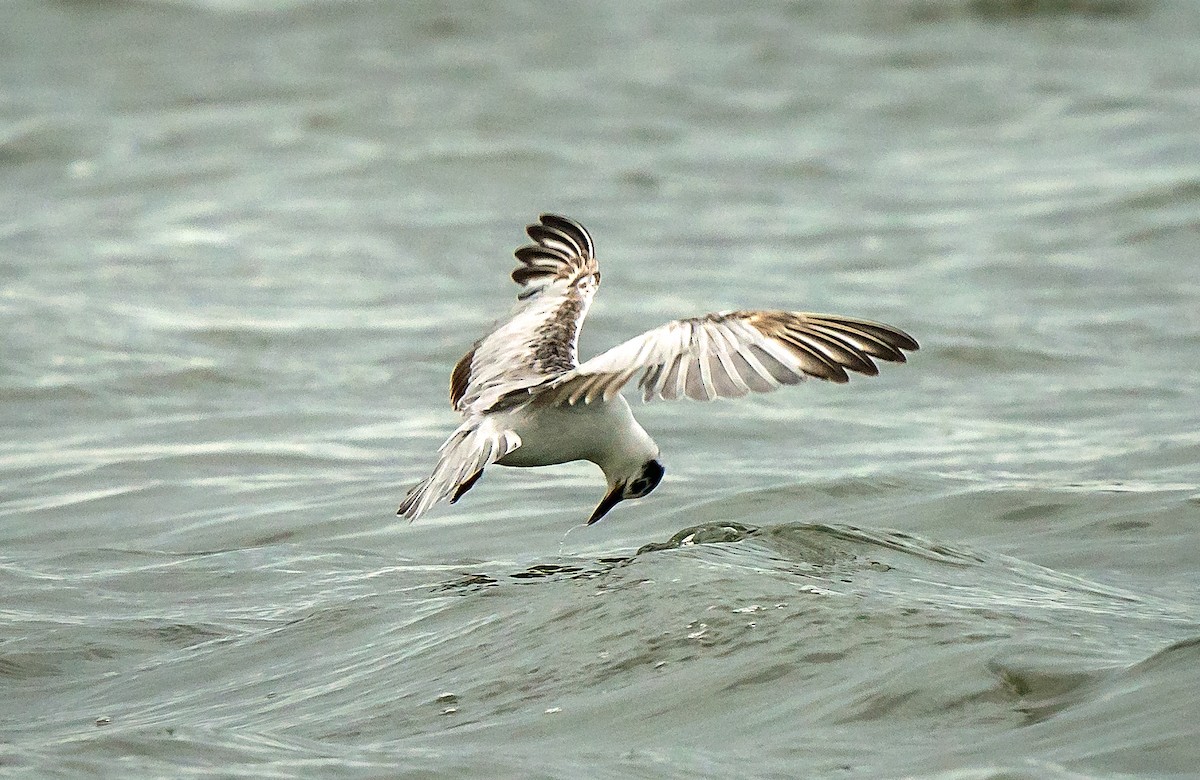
[(526, 400)]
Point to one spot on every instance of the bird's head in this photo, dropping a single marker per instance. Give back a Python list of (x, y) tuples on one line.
[(636, 485)]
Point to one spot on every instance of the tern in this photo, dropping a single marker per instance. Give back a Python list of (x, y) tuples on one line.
[(526, 400)]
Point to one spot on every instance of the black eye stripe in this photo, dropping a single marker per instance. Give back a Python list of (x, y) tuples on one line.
[(652, 474)]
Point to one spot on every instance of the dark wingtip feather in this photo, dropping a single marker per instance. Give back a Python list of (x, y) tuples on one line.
[(573, 229), (562, 248), (888, 340)]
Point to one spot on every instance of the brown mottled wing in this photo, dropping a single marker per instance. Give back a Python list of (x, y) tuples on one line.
[(460, 377), (559, 276), (730, 354)]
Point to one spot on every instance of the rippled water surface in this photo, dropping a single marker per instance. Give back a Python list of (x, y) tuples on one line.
[(242, 244)]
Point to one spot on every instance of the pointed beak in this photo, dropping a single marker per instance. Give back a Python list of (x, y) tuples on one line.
[(608, 502)]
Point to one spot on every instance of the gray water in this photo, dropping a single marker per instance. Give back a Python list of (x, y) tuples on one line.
[(242, 244)]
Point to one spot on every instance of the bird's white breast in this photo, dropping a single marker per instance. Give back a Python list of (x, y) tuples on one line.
[(599, 432)]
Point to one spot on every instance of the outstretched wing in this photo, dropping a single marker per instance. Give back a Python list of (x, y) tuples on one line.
[(730, 354), (559, 276)]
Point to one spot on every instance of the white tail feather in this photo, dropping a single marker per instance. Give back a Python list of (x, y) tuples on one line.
[(476, 444)]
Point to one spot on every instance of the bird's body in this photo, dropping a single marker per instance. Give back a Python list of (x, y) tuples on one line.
[(561, 433), (527, 401)]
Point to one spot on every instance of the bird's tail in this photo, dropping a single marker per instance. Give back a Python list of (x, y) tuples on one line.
[(476, 444)]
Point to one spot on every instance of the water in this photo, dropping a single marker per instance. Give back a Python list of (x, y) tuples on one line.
[(243, 244)]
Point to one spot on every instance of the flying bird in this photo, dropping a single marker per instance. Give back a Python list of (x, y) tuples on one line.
[(526, 400)]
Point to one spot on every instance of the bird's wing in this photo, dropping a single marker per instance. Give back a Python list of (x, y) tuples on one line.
[(476, 444), (559, 275), (730, 354)]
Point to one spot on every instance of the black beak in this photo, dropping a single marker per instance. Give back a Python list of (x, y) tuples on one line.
[(608, 502)]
